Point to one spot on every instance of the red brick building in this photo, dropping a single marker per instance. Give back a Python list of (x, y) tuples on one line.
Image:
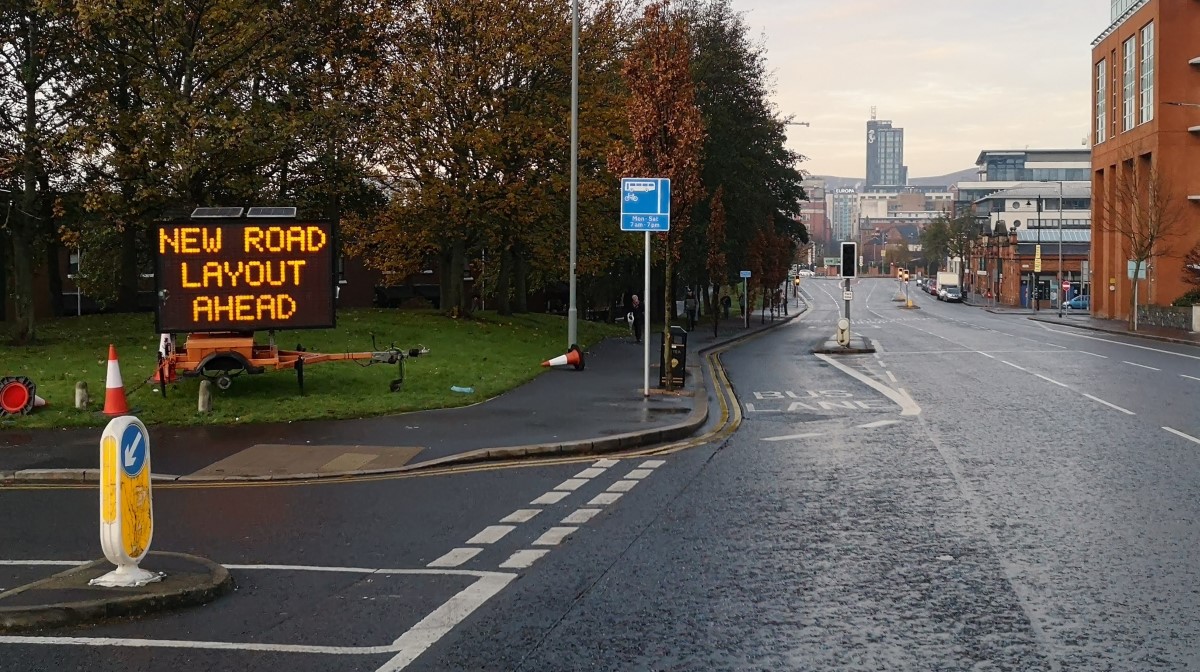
[(1145, 75)]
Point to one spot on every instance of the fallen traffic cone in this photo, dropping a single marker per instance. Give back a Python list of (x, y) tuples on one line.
[(114, 388), (574, 357), (17, 395)]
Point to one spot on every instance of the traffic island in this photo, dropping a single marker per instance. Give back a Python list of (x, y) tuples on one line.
[(859, 345), (67, 598)]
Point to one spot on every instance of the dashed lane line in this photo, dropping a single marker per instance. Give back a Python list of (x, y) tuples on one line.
[(1051, 380), (1094, 354), (1140, 365), (1184, 375), (622, 486), (652, 464), (892, 377), (580, 516), (793, 437), (554, 536), (590, 472), (1015, 366), (552, 497), (879, 423), (606, 463), (491, 534), (604, 499), (571, 484), (524, 559), (455, 557), (1178, 433), (1126, 411), (639, 474), (520, 516)]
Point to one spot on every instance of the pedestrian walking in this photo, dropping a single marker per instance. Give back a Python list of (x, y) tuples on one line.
[(691, 307), (726, 304)]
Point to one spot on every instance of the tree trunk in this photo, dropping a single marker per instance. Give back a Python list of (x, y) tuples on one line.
[(520, 282), (53, 277), (668, 306), (1133, 298), (715, 308), (503, 282), (127, 283), (455, 305), (23, 331)]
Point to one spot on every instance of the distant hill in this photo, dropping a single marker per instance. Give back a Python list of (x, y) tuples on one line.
[(965, 175)]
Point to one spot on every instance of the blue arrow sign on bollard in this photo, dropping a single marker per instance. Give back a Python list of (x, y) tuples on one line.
[(645, 204), (133, 450)]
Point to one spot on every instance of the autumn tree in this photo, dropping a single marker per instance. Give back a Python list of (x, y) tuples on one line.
[(1145, 216), (476, 158), (715, 263), (35, 91), (667, 133)]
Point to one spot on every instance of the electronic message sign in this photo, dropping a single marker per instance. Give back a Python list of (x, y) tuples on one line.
[(244, 275)]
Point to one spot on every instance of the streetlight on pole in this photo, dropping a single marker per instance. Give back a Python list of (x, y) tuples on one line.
[(1062, 293), (573, 307)]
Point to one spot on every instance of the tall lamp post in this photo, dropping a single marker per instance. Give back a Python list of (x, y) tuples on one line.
[(1033, 286), (1062, 293), (573, 306)]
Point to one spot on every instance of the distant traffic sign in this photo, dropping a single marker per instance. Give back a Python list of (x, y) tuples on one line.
[(744, 274), (645, 204), (847, 295)]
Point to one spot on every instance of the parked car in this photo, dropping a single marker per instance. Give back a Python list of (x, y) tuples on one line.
[(1081, 302)]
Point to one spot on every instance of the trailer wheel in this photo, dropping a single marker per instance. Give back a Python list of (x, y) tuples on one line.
[(224, 382)]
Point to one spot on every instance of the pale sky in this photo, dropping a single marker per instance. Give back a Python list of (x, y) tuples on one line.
[(959, 76)]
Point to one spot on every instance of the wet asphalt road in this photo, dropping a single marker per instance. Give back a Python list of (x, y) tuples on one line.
[(1040, 512)]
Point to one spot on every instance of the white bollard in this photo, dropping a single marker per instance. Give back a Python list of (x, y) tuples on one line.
[(126, 503)]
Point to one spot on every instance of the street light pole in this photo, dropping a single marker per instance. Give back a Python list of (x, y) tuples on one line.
[(1062, 293), (573, 307)]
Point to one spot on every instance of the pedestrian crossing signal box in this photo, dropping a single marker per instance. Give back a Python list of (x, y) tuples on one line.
[(849, 259)]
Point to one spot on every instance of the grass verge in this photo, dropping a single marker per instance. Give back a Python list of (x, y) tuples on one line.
[(490, 353)]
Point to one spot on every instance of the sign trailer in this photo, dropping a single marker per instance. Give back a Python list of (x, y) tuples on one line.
[(221, 277)]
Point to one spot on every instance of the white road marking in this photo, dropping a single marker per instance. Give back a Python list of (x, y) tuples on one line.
[(520, 516), (407, 647), (554, 536), (551, 498), (1141, 365), (652, 464), (906, 403), (1176, 432), (571, 484), (590, 472), (892, 377), (751, 409), (491, 534), (606, 463), (43, 563), (791, 437), (1128, 345), (443, 619), (987, 355), (1055, 345), (879, 423), (1051, 380), (622, 486), (638, 474), (456, 557), (1094, 354), (523, 559), (1110, 405), (1184, 375), (1015, 366), (604, 499), (580, 516)]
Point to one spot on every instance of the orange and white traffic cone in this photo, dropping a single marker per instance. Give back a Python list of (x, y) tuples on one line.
[(114, 388), (574, 357)]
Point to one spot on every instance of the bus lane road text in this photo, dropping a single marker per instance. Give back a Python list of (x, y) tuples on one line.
[(813, 401)]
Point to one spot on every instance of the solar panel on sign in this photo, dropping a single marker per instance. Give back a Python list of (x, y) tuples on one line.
[(202, 213), (271, 212)]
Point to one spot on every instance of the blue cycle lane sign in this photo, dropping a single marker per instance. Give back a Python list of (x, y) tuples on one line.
[(645, 204)]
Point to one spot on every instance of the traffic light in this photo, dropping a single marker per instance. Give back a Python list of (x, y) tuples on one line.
[(849, 259)]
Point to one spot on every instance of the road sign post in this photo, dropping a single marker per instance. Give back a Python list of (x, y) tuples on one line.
[(745, 298), (126, 504), (849, 270), (646, 206)]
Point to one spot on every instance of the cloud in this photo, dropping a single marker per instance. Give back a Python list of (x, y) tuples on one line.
[(957, 75)]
